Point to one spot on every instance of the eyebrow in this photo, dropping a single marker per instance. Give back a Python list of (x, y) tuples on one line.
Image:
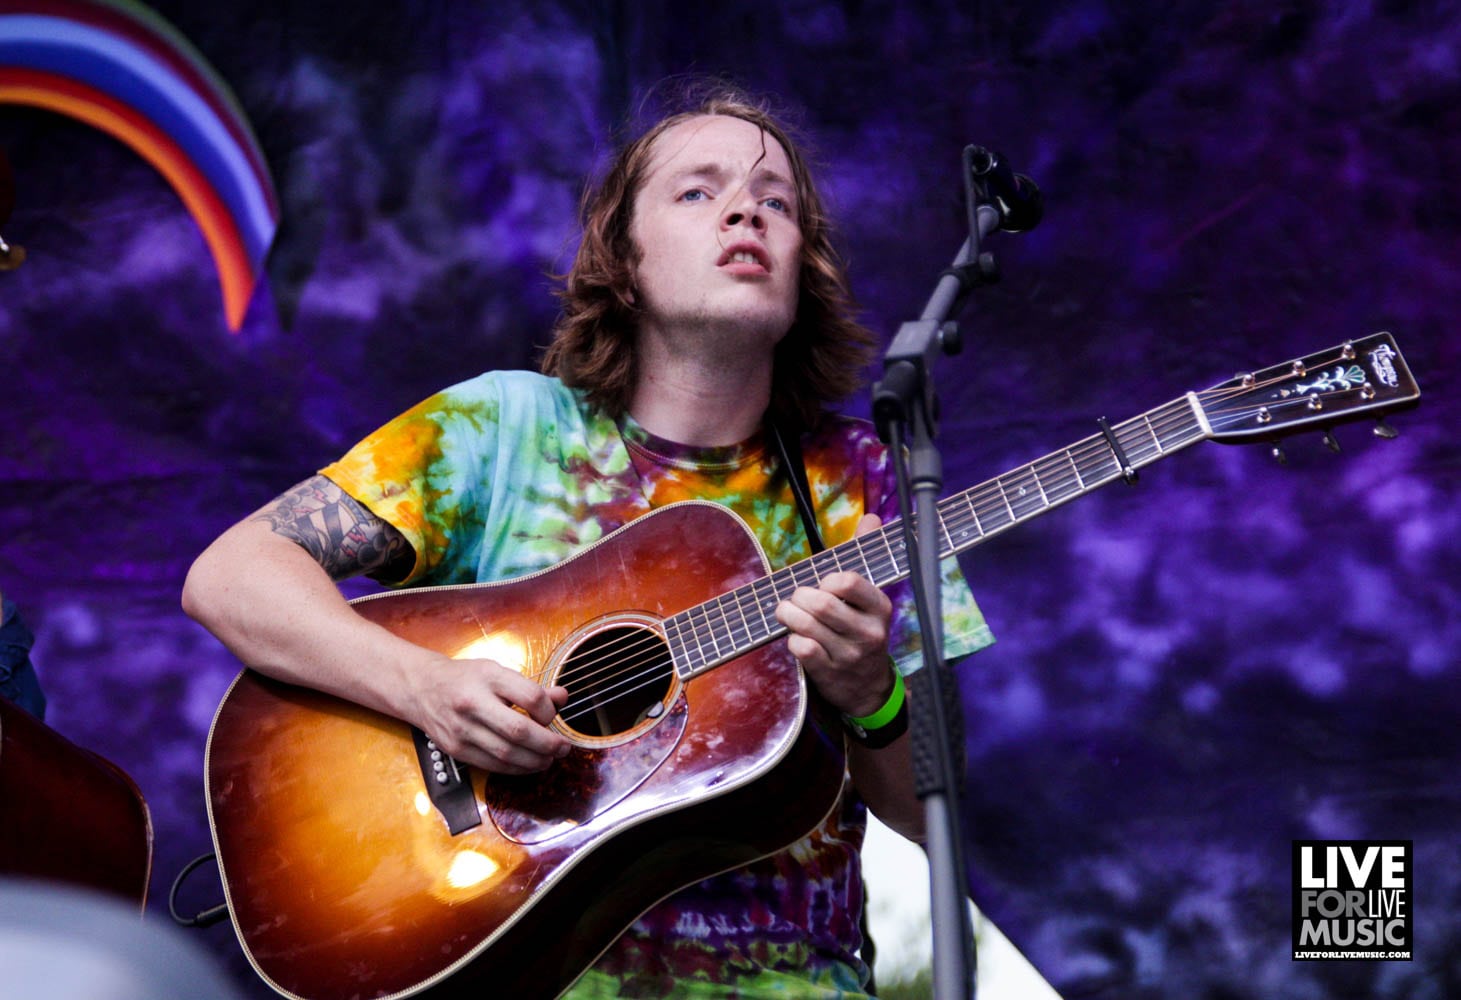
[(714, 171)]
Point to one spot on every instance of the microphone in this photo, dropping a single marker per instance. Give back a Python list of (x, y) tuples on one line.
[(1020, 204)]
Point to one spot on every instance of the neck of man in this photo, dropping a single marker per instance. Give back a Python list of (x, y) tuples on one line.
[(700, 391)]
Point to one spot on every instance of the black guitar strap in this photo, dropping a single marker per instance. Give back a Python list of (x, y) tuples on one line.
[(789, 447)]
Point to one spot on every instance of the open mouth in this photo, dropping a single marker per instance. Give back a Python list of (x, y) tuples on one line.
[(746, 253)]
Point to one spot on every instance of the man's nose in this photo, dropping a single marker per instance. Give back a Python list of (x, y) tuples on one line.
[(743, 210)]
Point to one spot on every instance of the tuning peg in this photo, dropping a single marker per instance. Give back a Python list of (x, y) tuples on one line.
[(1279, 456), (1384, 430), (1331, 442)]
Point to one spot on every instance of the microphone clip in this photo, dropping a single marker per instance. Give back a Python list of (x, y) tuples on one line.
[(1014, 196)]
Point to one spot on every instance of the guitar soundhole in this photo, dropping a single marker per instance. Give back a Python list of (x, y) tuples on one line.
[(616, 678)]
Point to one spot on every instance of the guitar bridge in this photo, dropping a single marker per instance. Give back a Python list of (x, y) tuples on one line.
[(448, 784)]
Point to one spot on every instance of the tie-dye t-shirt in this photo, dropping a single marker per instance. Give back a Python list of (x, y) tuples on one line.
[(510, 473)]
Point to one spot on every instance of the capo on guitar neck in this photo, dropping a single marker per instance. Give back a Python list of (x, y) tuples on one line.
[(1127, 472)]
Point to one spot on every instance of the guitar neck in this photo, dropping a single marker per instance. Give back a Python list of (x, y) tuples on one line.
[(707, 635)]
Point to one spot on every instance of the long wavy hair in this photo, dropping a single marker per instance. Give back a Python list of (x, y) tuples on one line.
[(821, 359)]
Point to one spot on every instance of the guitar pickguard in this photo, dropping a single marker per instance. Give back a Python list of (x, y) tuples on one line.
[(533, 809)]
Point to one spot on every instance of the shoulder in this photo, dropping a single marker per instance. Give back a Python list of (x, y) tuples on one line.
[(506, 385), (505, 397), (843, 426), (515, 406), (846, 440)]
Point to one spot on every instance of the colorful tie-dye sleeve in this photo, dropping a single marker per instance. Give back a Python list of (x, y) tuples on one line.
[(496, 477), (421, 472), (851, 472)]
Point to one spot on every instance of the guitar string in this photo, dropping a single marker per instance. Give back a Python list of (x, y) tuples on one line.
[(775, 584), (615, 655), (651, 650), (600, 697), (697, 630), (1159, 421), (1179, 416), (1144, 450), (1057, 485)]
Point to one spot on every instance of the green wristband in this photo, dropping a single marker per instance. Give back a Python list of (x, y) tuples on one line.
[(884, 715)]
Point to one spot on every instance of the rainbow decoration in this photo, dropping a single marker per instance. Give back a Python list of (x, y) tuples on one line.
[(119, 67)]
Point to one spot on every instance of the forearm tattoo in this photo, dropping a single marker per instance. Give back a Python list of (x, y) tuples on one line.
[(334, 528)]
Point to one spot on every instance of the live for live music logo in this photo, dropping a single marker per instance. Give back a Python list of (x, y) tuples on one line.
[(1352, 899)]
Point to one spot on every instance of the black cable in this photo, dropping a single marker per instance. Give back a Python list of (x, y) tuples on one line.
[(204, 918)]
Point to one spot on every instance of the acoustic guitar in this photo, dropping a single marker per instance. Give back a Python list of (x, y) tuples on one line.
[(360, 861)]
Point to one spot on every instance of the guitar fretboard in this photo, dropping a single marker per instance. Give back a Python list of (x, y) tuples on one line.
[(709, 634)]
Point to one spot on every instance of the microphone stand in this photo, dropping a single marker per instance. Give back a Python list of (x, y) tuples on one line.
[(905, 409)]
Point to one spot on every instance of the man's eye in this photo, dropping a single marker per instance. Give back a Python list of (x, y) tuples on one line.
[(777, 204), (694, 194)]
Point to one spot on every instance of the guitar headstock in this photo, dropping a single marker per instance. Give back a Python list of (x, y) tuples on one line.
[(1359, 378)]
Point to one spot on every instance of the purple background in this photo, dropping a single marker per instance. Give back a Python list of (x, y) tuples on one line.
[(1190, 674)]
